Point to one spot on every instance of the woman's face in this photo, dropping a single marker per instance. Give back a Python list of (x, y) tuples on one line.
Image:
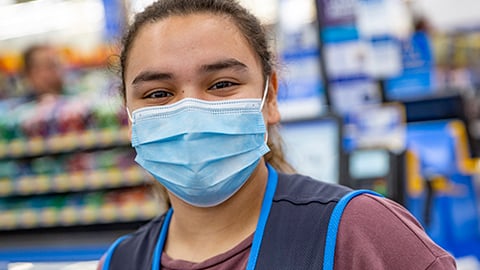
[(200, 56)]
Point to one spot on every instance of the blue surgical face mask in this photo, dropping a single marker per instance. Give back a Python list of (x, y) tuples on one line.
[(201, 151)]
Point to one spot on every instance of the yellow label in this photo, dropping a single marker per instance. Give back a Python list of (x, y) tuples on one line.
[(3, 149), (89, 214), (70, 140), (28, 218), (26, 185), (61, 182), (114, 177), (88, 138), (36, 145), (8, 219), (49, 216), (6, 186), (109, 213), (43, 184), (69, 215), (77, 181), (17, 147)]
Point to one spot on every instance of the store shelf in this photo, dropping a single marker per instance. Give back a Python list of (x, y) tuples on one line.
[(89, 139), (80, 215), (71, 182)]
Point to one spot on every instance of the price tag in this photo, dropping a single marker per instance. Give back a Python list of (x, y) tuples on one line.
[(134, 175), (36, 145), (94, 179), (6, 187), (88, 138), (28, 218), (129, 211), (26, 185), (114, 177), (108, 213), (56, 144), (8, 219), (43, 184), (69, 215), (3, 148), (17, 147), (77, 181), (49, 216), (61, 182), (70, 141), (89, 214)]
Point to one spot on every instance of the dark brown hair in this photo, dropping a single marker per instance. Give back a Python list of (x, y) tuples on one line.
[(248, 25)]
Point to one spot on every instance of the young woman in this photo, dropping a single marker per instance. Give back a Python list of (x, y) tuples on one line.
[(200, 89)]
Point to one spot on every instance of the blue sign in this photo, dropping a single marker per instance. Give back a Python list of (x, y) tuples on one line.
[(417, 77), (304, 80)]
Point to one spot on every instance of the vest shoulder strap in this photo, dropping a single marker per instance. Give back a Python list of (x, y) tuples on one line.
[(296, 230), (332, 231)]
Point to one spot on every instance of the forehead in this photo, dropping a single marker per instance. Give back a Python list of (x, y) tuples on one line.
[(43, 51), (189, 38), (44, 55)]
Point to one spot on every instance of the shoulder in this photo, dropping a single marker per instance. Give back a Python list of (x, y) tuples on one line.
[(300, 189), (381, 234)]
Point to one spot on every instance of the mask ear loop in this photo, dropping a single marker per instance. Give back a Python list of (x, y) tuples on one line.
[(129, 115), (265, 91)]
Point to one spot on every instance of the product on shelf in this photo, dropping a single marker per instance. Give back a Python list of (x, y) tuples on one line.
[(67, 160), (60, 115), (124, 205)]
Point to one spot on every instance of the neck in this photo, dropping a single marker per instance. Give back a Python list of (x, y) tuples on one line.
[(196, 234)]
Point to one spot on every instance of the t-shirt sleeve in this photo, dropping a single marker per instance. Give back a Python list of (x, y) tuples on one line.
[(377, 233)]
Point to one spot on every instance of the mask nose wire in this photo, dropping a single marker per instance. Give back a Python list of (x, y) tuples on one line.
[(265, 91)]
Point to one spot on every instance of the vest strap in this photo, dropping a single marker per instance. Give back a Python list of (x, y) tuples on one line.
[(333, 224), (108, 258)]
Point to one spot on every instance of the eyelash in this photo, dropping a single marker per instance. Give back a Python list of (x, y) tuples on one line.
[(164, 93), (224, 83), (215, 86)]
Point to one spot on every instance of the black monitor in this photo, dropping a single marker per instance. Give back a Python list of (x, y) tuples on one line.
[(369, 164), (313, 147), (439, 107), (442, 107)]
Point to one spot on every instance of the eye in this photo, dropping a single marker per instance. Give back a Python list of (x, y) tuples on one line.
[(222, 84), (159, 94)]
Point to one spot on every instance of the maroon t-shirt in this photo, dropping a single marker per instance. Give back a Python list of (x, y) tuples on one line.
[(374, 233)]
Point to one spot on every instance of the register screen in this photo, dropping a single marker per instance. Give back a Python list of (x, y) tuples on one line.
[(313, 147)]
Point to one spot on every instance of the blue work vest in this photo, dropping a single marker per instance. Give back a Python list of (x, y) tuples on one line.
[(299, 231)]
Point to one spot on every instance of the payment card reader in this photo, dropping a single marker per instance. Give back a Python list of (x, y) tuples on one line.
[(377, 169)]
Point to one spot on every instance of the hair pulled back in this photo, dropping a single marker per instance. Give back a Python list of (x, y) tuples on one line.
[(249, 26)]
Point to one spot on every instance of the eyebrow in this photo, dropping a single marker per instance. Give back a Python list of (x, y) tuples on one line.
[(147, 76), (229, 63)]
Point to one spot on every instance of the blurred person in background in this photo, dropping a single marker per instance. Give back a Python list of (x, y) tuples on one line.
[(44, 72)]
